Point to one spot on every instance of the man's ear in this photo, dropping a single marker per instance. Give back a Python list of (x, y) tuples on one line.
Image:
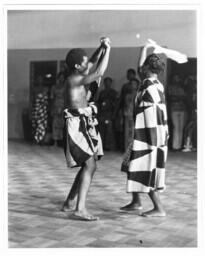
[(77, 66)]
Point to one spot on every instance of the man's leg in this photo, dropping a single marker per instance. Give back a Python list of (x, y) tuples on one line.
[(84, 185), (126, 135), (182, 120), (135, 203), (188, 138), (108, 135), (175, 139), (158, 210), (102, 131), (69, 202), (131, 130)]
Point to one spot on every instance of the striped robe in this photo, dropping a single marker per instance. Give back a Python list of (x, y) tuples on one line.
[(145, 158), (81, 136)]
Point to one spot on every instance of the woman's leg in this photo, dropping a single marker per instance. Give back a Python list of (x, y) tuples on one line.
[(158, 210), (135, 204), (126, 132)]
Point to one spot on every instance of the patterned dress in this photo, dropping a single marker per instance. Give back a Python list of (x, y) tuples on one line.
[(145, 158), (40, 116)]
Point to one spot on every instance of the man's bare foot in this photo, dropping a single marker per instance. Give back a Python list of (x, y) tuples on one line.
[(131, 207), (68, 206), (154, 213), (84, 215)]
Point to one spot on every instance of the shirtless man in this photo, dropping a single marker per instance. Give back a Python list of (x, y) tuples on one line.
[(82, 142)]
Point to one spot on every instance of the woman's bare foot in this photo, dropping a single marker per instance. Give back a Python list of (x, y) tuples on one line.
[(68, 206), (84, 215), (131, 207), (154, 213)]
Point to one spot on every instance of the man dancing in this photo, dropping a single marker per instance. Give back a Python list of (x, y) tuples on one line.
[(82, 142)]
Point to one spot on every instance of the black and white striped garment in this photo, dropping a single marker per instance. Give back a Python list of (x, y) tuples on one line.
[(81, 136), (145, 158)]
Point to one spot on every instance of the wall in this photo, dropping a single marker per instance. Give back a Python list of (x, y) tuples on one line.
[(19, 69), (64, 29)]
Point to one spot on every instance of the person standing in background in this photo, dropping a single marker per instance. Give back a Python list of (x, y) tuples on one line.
[(178, 110), (190, 131), (128, 112), (106, 105), (118, 126), (57, 106), (127, 95)]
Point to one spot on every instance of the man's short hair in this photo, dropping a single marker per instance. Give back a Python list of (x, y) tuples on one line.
[(107, 79), (75, 56), (131, 70)]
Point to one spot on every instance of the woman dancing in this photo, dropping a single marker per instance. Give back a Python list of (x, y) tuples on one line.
[(145, 158)]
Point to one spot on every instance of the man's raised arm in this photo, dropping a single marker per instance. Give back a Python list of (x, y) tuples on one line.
[(102, 65), (96, 56)]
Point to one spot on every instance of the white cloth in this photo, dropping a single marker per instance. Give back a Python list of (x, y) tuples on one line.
[(171, 54)]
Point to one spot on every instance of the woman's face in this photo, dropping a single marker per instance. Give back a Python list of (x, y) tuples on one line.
[(145, 72)]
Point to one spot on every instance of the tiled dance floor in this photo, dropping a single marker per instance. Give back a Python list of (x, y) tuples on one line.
[(39, 181)]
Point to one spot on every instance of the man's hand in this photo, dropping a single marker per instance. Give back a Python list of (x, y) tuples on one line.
[(105, 39), (105, 42)]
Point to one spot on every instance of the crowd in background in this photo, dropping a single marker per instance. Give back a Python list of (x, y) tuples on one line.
[(182, 110), (115, 112)]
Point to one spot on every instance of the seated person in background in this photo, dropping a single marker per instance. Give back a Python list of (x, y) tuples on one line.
[(82, 142), (106, 105)]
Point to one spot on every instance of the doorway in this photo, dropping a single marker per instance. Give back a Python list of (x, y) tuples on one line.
[(47, 71)]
